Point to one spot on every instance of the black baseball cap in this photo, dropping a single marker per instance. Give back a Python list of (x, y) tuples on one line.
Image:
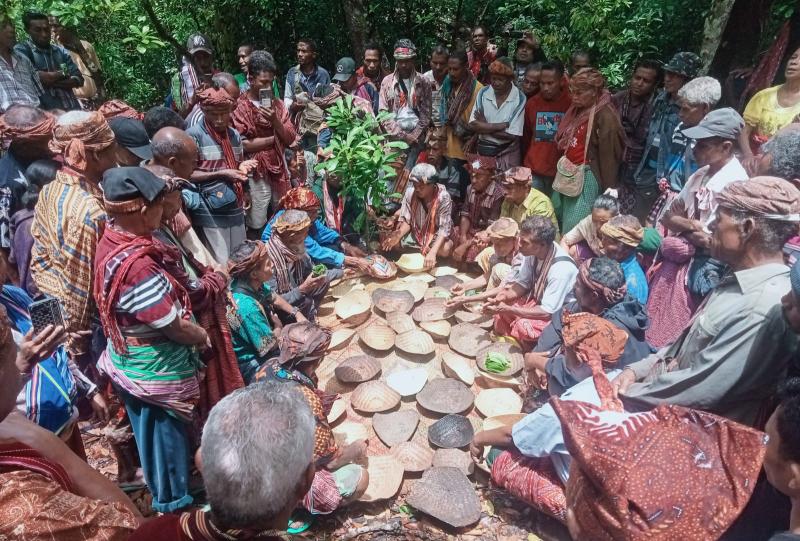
[(130, 133), (345, 68)]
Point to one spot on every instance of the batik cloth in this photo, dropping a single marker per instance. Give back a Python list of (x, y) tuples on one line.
[(532, 480)]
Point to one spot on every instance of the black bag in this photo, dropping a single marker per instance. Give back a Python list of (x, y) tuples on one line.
[(218, 195)]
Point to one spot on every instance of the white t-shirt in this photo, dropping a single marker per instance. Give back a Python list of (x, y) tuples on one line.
[(511, 110), (560, 279)]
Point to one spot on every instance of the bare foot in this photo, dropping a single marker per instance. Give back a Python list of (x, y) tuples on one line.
[(350, 454)]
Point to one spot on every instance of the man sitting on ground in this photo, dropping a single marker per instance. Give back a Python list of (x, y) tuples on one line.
[(522, 201), (481, 208)]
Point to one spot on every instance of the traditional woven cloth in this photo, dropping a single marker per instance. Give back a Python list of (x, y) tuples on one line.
[(671, 473), (768, 197), (300, 199), (118, 108), (75, 141), (502, 66), (626, 235), (583, 332), (288, 269), (31, 132), (244, 267), (533, 480), (670, 305)]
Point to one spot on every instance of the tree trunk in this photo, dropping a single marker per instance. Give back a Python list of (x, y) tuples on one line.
[(356, 19), (716, 21)]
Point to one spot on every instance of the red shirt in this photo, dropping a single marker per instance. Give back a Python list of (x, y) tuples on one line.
[(542, 118)]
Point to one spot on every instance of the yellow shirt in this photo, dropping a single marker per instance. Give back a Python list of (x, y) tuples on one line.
[(766, 116), (536, 204), (455, 145)]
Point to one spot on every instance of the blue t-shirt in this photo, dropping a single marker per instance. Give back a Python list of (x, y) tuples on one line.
[(635, 279)]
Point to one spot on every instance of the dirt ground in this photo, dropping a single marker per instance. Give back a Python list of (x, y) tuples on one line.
[(502, 517)]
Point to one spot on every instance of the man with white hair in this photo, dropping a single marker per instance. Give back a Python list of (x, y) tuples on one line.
[(69, 219), (426, 217), (256, 459)]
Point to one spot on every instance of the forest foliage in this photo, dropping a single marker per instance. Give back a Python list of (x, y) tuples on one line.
[(138, 62)]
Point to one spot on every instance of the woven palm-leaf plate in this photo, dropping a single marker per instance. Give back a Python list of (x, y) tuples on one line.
[(400, 322), (458, 367), (385, 478), (414, 456), (432, 310), (354, 307), (378, 336), (408, 382), (415, 342), (451, 432), (374, 396), (445, 395), (387, 300), (512, 353), (493, 402), (357, 369), (411, 263), (396, 427), (447, 495), (467, 339), (437, 329)]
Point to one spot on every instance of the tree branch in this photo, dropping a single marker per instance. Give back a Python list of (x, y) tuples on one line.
[(164, 34)]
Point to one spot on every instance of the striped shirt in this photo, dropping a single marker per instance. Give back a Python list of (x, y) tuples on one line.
[(67, 224), (483, 208)]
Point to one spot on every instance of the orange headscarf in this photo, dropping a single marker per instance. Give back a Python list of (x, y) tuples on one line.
[(31, 132), (74, 140)]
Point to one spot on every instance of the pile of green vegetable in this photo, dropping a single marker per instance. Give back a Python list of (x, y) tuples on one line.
[(319, 270), (496, 362)]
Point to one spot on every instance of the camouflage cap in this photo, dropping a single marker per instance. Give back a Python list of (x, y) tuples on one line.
[(685, 63)]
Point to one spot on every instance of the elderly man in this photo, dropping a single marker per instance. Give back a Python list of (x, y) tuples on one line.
[(19, 80), (354, 84), (539, 288), (69, 220), (146, 315), (222, 80), (740, 326), (495, 261), (621, 236), (523, 201), (133, 144), (218, 207), (426, 220), (29, 131), (323, 244), (600, 290), (58, 73), (498, 116), (481, 207), (406, 94), (293, 278), (269, 427), (642, 191)]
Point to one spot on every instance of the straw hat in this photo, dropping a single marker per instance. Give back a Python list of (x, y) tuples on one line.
[(451, 432), (400, 322), (357, 369), (447, 495), (387, 300), (408, 382), (414, 456), (415, 342), (445, 395), (411, 263), (354, 307), (511, 352), (493, 402), (378, 336), (458, 367), (385, 478), (454, 458), (396, 427), (374, 396), (437, 329), (467, 339)]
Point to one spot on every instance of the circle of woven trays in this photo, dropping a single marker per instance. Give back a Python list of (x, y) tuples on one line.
[(484, 321), (414, 456), (454, 458), (378, 336), (385, 478), (467, 339), (415, 342), (374, 396), (416, 287), (493, 402), (512, 353), (400, 322), (458, 367), (447, 495), (408, 382), (411, 263), (437, 329), (451, 432), (357, 369), (354, 307), (432, 310), (396, 427), (447, 281), (445, 395), (387, 300)]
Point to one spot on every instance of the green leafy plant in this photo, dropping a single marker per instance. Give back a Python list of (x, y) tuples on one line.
[(361, 158), (143, 37)]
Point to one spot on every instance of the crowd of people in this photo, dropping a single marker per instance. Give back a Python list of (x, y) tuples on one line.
[(640, 248)]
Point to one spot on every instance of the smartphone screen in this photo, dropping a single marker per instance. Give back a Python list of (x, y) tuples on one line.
[(265, 96)]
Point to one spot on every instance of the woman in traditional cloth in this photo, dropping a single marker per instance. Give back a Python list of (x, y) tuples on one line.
[(338, 480), (254, 325), (46, 490), (591, 137)]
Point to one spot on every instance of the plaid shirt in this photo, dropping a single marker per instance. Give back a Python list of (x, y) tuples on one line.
[(51, 59), (483, 208), (68, 222), (19, 82)]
